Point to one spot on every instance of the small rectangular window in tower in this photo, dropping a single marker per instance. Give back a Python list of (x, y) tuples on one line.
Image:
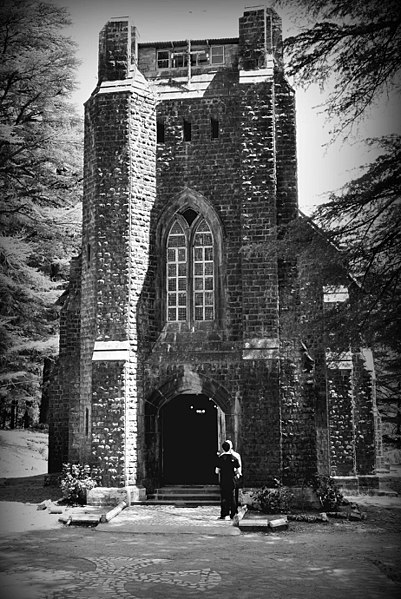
[(214, 128), (160, 132), (86, 422), (88, 254), (187, 130)]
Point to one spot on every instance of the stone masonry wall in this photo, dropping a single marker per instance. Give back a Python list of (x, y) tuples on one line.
[(141, 292), (220, 170), (105, 281), (342, 431), (260, 422), (258, 211), (298, 419), (117, 50), (89, 274), (352, 419), (126, 184), (365, 405), (108, 417), (253, 42), (237, 173), (248, 386), (64, 392), (209, 167)]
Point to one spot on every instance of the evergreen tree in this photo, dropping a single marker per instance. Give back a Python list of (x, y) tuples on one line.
[(40, 165), (352, 49)]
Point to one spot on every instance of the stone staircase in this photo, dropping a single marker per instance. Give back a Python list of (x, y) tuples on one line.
[(185, 495)]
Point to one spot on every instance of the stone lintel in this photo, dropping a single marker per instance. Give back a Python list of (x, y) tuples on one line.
[(109, 351), (110, 356), (111, 345)]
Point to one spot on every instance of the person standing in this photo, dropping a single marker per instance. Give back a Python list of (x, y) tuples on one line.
[(238, 478), (227, 468)]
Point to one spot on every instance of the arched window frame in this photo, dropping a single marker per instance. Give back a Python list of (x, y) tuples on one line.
[(190, 276), (189, 199)]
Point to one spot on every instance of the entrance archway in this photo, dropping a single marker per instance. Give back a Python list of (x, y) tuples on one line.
[(189, 426)]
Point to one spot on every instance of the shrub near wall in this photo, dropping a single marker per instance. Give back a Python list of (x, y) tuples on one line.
[(76, 480)]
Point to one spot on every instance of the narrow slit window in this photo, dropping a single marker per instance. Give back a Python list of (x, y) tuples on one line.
[(214, 128), (88, 254), (86, 421), (160, 132), (187, 130)]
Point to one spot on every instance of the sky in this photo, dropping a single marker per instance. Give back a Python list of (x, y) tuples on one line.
[(321, 168)]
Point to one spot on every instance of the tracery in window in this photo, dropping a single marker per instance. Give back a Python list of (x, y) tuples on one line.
[(190, 269), (203, 265), (177, 272)]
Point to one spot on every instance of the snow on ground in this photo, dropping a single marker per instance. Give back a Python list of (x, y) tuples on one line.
[(23, 453), (23, 456)]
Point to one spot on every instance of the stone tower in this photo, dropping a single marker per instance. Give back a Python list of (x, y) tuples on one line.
[(172, 335)]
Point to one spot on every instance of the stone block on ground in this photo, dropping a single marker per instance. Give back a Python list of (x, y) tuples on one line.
[(357, 515), (253, 525), (277, 524), (85, 519), (113, 512), (55, 509), (44, 504)]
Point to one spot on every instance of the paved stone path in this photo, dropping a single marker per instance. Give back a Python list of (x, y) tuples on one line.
[(121, 560), (170, 519)]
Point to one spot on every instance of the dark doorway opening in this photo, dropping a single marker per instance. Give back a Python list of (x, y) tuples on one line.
[(189, 440)]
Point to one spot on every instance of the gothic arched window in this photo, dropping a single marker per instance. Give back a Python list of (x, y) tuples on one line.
[(190, 269)]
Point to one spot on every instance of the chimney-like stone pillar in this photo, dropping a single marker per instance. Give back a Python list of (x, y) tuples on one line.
[(118, 44), (260, 39)]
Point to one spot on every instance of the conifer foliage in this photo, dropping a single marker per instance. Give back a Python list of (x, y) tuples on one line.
[(352, 49), (40, 193)]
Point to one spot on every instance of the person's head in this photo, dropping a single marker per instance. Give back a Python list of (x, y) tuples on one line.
[(226, 446), (230, 444)]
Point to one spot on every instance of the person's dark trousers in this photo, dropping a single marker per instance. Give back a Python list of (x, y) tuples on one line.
[(228, 503), (238, 485)]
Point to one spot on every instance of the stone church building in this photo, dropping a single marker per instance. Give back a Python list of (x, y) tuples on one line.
[(173, 334)]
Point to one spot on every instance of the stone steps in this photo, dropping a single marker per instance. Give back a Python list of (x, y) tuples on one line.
[(189, 495)]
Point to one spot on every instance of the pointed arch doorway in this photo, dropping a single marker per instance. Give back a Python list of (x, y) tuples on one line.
[(191, 432)]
